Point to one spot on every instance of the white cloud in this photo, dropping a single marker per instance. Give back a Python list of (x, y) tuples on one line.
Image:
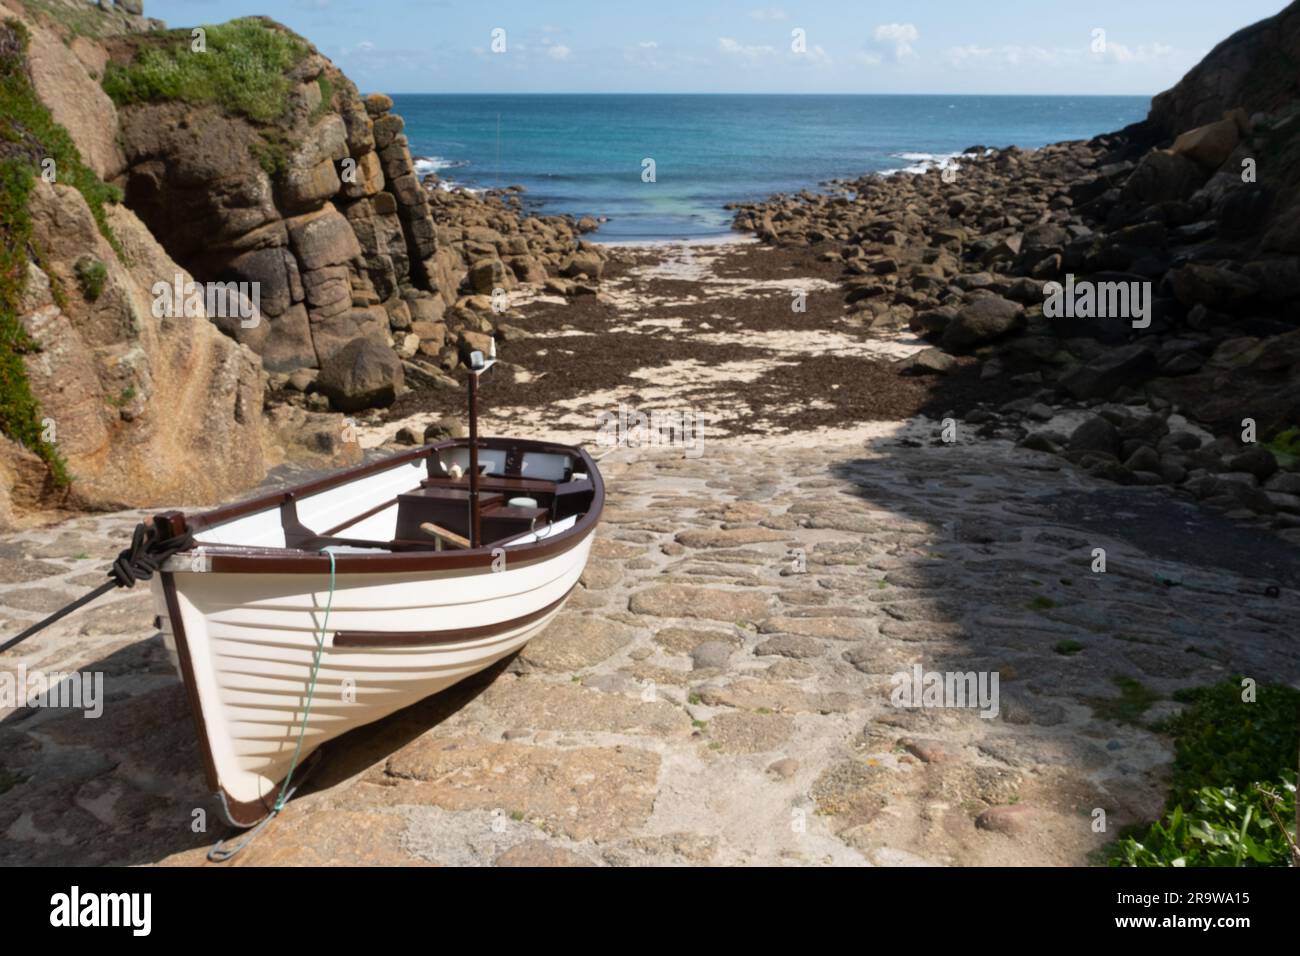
[(1014, 55), (732, 47), (648, 45), (817, 56), (900, 35), (1010, 55), (768, 13), (1139, 54), (868, 59), (558, 51)]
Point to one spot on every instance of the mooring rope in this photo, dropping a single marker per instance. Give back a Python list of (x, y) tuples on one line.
[(311, 689), (146, 555)]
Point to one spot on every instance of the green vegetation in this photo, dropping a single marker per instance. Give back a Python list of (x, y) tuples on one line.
[(1067, 647), (1130, 705), (84, 20), (1224, 740), (92, 274), (242, 70), (1222, 827), (28, 132), (271, 152), (326, 97), (9, 779), (29, 136), (1285, 446), (1276, 145), (57, 290), (1232, 800), (126, 395), (1041, 604)]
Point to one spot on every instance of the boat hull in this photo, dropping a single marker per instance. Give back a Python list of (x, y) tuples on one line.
[(245, 645)]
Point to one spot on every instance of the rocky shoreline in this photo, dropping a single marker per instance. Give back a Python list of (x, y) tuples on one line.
[(969, 257)]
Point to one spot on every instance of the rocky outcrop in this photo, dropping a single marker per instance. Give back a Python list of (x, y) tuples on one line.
[(330, 223), (143, 409), (1190, 254), (1256, 69), (136, 406)]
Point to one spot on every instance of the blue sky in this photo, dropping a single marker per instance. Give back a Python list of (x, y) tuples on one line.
[(720, 46)]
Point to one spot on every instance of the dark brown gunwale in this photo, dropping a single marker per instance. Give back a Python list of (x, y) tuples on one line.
[(383, 639), (396, 562)]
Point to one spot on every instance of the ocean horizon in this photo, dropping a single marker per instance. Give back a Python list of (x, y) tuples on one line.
[(584, 154)]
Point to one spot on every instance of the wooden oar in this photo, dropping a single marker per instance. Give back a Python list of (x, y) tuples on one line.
[(442, 534)]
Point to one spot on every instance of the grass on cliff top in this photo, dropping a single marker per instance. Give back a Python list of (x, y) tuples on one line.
[(83, 19), (241, 70)]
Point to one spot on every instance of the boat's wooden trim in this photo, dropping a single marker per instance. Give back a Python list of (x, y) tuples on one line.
[(240, 508), (479, 560), (453, 635), (357, 519)]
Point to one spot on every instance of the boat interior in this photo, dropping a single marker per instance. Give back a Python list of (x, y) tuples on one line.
[(527, 491)]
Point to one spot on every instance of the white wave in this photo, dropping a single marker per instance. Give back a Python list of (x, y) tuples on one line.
[(923, 162), (451, 186), (432, 164)]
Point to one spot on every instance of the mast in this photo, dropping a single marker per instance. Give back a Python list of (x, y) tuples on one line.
[(477, 366), (473, 460)]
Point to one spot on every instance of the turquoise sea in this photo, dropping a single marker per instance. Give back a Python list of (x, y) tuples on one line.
[(584, 153)]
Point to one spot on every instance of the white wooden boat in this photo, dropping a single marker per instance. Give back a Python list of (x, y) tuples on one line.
[(298, 615), (246, 610)]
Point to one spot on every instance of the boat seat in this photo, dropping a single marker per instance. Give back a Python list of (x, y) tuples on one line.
[(503, 522), (446, 507)]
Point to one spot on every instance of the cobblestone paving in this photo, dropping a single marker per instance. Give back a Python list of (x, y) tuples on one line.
[(717, 691)]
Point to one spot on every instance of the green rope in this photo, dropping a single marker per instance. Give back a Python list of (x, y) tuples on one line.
[(220, 852), (311, 691)]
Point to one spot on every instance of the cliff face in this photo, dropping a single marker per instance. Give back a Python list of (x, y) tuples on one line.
[(240, 157), (111, 405), (1236, 115), (1256, 69), (315, 198)]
